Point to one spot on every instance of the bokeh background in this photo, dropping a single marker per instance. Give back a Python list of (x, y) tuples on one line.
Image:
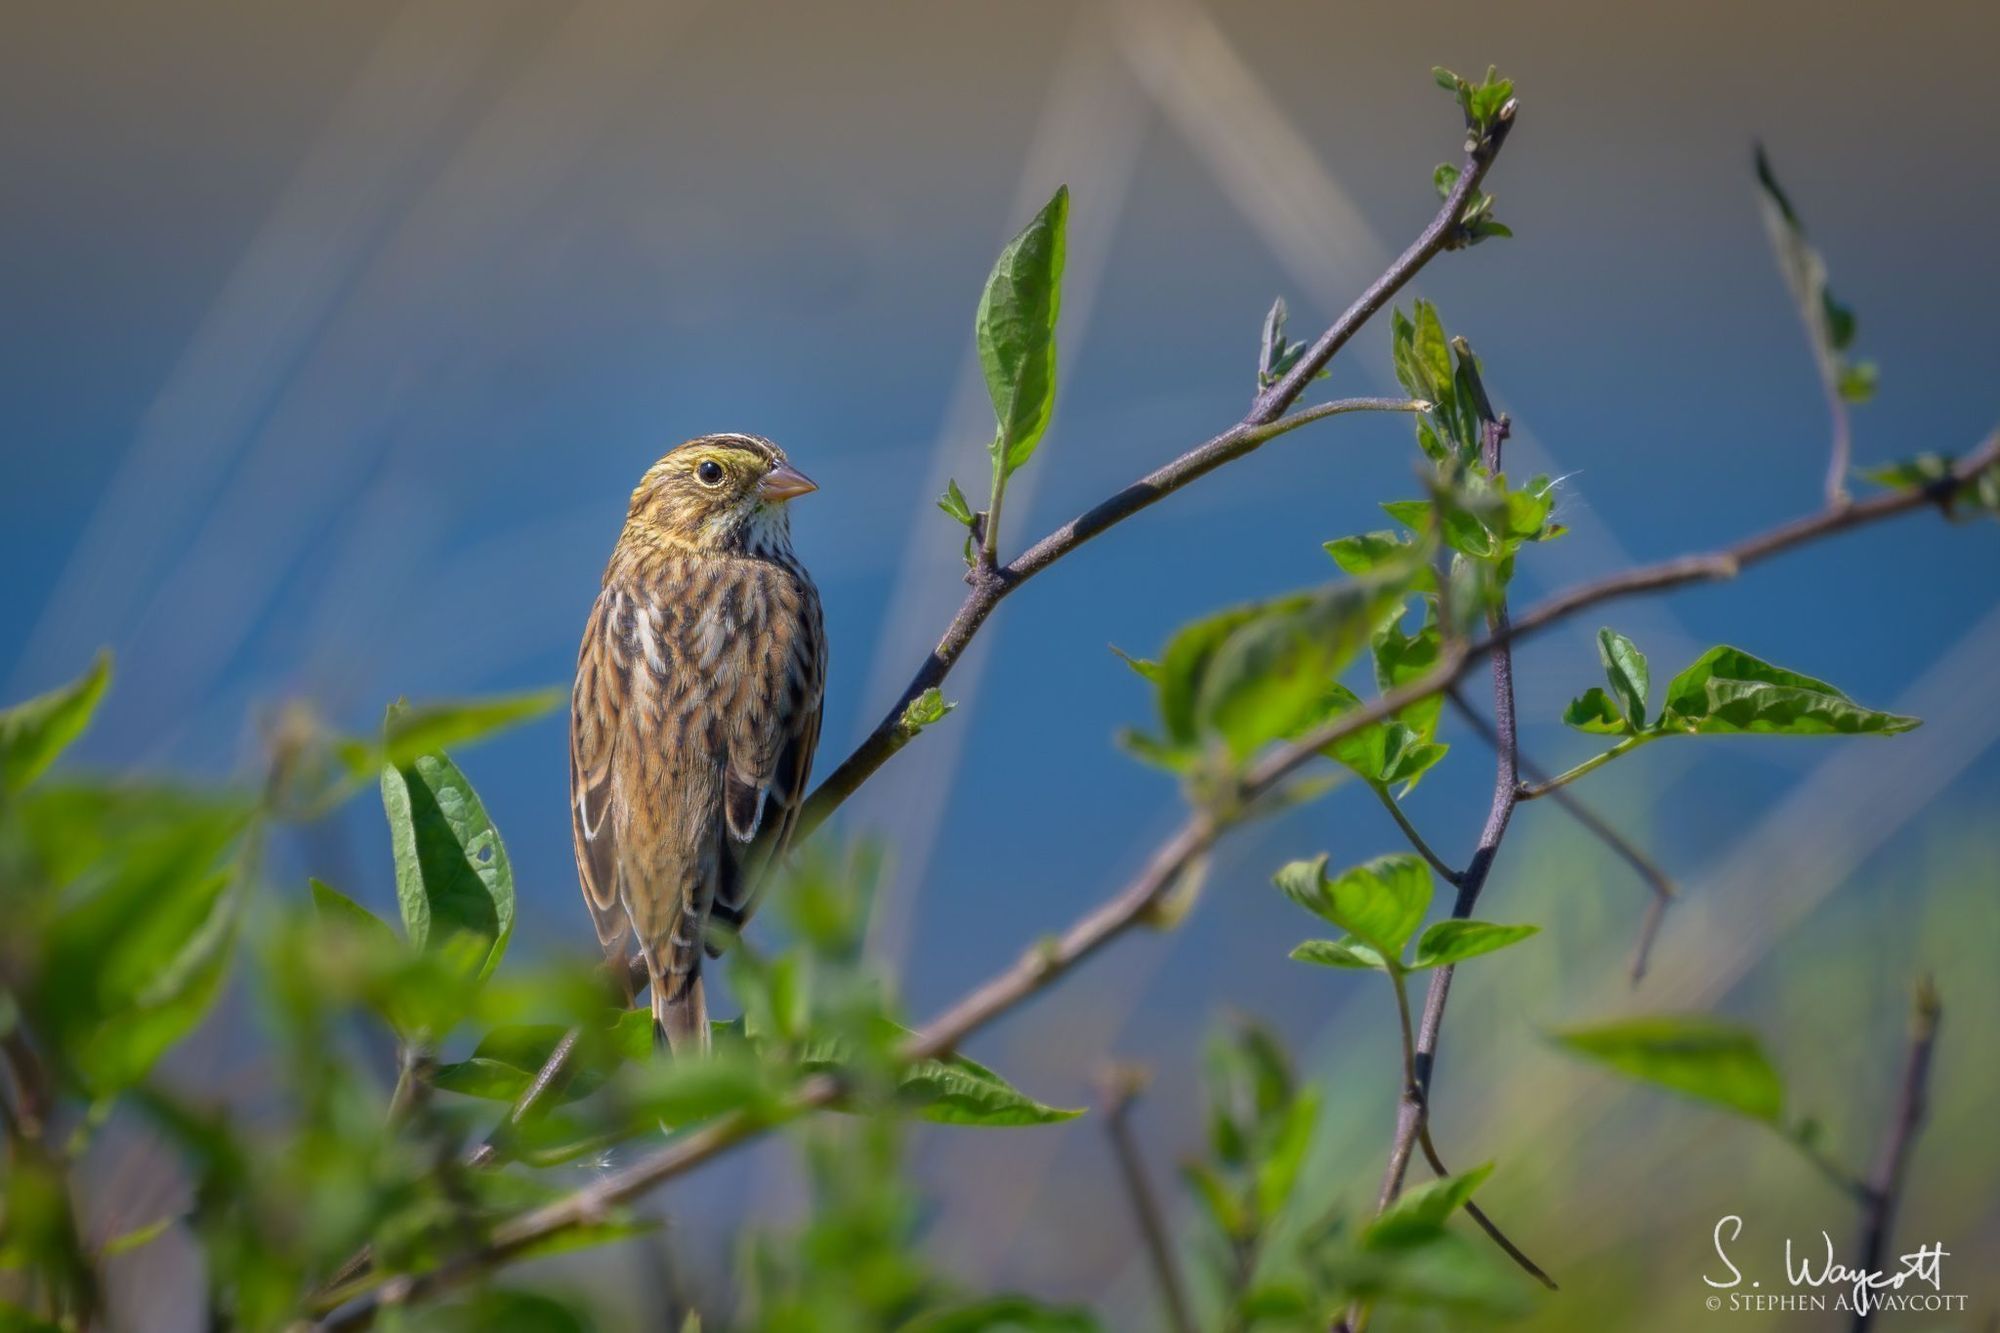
[(335, 337)]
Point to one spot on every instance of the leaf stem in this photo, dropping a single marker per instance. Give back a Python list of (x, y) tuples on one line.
[(989, 534), (1533, 791), (1395, 809), (1661, 886)]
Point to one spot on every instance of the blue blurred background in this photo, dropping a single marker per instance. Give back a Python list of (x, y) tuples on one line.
[(334, 339)]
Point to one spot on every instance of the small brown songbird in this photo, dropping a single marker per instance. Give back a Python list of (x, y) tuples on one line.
[(695, 712)]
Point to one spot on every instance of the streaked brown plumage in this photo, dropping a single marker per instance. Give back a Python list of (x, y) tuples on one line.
[(695, 712)]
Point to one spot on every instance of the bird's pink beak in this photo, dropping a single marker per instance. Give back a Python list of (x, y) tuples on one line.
[(783, 482)]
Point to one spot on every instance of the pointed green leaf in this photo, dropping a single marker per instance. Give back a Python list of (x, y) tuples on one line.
[(183, 988), (1727, 692), (1143, 667), (953, 502), (341, 911), (1016, 330), (1401, 658), (958, 1091), (926, 710), (1420, 1212), (1348, 952), (136, 1239), (1593, 711), (1433, 353), (410, 730), (1381, 902), (1271, 673), (34, 732), (1184, 665), (1453, 941), (1926, 469), (1278, 1172), (1625, 668), (1698, 1056), (452, 873)]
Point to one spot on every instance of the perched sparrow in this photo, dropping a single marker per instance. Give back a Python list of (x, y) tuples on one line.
[(695, 712)]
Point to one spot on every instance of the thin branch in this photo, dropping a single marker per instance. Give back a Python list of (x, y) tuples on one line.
[(1046, 963), (1885, 1187), (1411, 1113), (1662, 888), (991, 585), (1389, 803), (1121, 1086), (1841, 457)]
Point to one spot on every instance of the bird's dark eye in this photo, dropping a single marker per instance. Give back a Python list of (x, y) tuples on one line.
[(710, 472)]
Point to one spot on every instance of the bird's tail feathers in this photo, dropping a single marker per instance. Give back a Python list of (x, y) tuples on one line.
[(680, 1009)]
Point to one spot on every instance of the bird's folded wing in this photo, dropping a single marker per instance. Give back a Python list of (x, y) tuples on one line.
[(597, 706)]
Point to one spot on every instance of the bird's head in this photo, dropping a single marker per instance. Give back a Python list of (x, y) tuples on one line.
[(718, 493)]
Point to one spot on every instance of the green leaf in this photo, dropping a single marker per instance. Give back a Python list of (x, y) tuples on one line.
[(1926, 469), (1016, 331), (1385, 753), (1185, 663), (1275, 354), (1858, 381), (1421, 1212), (1381, 902), (526, 1311), (1490, 96), (1278, 1172), (34, 732), (1348, 952), (452, 873), (1433, 353), (1145, 668), (1229, 1214), (1271, 673), (1593, 711), (1452, 941), (958, 1091), (1728, 692), (136, 954), (1698, 1056), (926, 710), (342, 912), (1369, 552), (138, 1238), (953, 502), (950, 1090), (412, 730), (678, 1093), (172, 1003), (1625, 668), (1401, 658)]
